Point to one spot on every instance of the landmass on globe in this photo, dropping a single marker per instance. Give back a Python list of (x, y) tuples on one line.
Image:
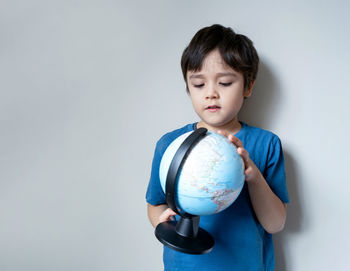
[(211, 177)]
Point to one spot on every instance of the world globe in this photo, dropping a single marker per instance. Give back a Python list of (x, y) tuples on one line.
[(211, 176)]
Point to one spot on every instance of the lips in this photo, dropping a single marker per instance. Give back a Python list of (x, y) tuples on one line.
[(213, 108)]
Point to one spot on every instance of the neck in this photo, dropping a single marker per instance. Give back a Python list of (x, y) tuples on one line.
[(231, 127)]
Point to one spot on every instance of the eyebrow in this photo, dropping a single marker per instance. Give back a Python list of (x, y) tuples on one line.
[(220, 74)]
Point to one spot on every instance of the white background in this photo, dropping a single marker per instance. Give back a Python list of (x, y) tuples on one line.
[(88, 87)]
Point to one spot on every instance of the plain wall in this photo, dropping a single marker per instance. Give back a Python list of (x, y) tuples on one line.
[(88, 87)]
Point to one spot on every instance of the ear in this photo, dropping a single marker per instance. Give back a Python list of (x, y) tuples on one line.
[(248, 92)]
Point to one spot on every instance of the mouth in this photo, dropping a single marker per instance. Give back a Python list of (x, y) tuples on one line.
[(213, 108)]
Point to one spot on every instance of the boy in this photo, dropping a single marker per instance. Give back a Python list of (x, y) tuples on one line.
[(220, 68)]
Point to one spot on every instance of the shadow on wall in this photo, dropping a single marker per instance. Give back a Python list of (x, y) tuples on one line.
[(294, 215), (260, 110)]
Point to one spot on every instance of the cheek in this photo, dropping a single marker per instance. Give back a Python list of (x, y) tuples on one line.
[(235, 102), (194, 101), (196, 105)]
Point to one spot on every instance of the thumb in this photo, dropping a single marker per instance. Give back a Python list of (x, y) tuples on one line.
[(166, 215)]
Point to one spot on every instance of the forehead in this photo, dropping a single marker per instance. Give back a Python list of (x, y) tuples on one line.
[(214, 58), (213, 63)]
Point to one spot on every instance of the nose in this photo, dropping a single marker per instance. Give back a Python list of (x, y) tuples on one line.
[(212, 92)]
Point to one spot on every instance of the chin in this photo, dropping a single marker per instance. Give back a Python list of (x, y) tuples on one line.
[(213, 124), (219, 123)]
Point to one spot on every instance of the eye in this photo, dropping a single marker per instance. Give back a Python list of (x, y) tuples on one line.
[(198, 85), (226, 84)]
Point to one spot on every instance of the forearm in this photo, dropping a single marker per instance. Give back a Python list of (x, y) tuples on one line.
[(269, 209), (154, 212)]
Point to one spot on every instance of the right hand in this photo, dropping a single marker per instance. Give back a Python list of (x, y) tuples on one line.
[(167, 215)]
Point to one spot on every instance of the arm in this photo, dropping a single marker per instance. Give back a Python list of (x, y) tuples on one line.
[(269, 209), (159, 213)]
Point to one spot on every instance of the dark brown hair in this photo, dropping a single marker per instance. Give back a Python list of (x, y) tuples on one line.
[(236, 50)]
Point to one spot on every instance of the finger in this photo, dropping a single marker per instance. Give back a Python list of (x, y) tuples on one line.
[(243, 153), (167, 215), (248, 171), (222, 133), (245, 156), (235, 141)]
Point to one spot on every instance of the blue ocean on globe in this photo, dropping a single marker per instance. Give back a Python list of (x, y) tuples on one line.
[(211, 177)]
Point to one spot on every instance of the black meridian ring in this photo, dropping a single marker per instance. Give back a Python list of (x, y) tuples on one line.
[(176, 164)]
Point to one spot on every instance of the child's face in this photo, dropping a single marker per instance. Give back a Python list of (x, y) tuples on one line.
[(217, 92)]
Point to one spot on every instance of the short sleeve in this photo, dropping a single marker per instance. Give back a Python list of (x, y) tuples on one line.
[(275, 170), (155, 194)]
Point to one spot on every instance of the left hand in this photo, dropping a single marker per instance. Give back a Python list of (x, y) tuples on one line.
[(251, 171)]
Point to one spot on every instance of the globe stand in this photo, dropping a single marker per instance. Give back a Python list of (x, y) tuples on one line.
[(185, 235)]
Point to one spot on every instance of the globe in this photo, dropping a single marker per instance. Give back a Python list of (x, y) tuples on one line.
[(211, 176)]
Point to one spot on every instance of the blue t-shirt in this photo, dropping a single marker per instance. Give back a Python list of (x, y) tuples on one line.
[(241, 243)]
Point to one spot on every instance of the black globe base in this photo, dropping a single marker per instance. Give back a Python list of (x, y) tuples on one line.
[(185, 236)]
